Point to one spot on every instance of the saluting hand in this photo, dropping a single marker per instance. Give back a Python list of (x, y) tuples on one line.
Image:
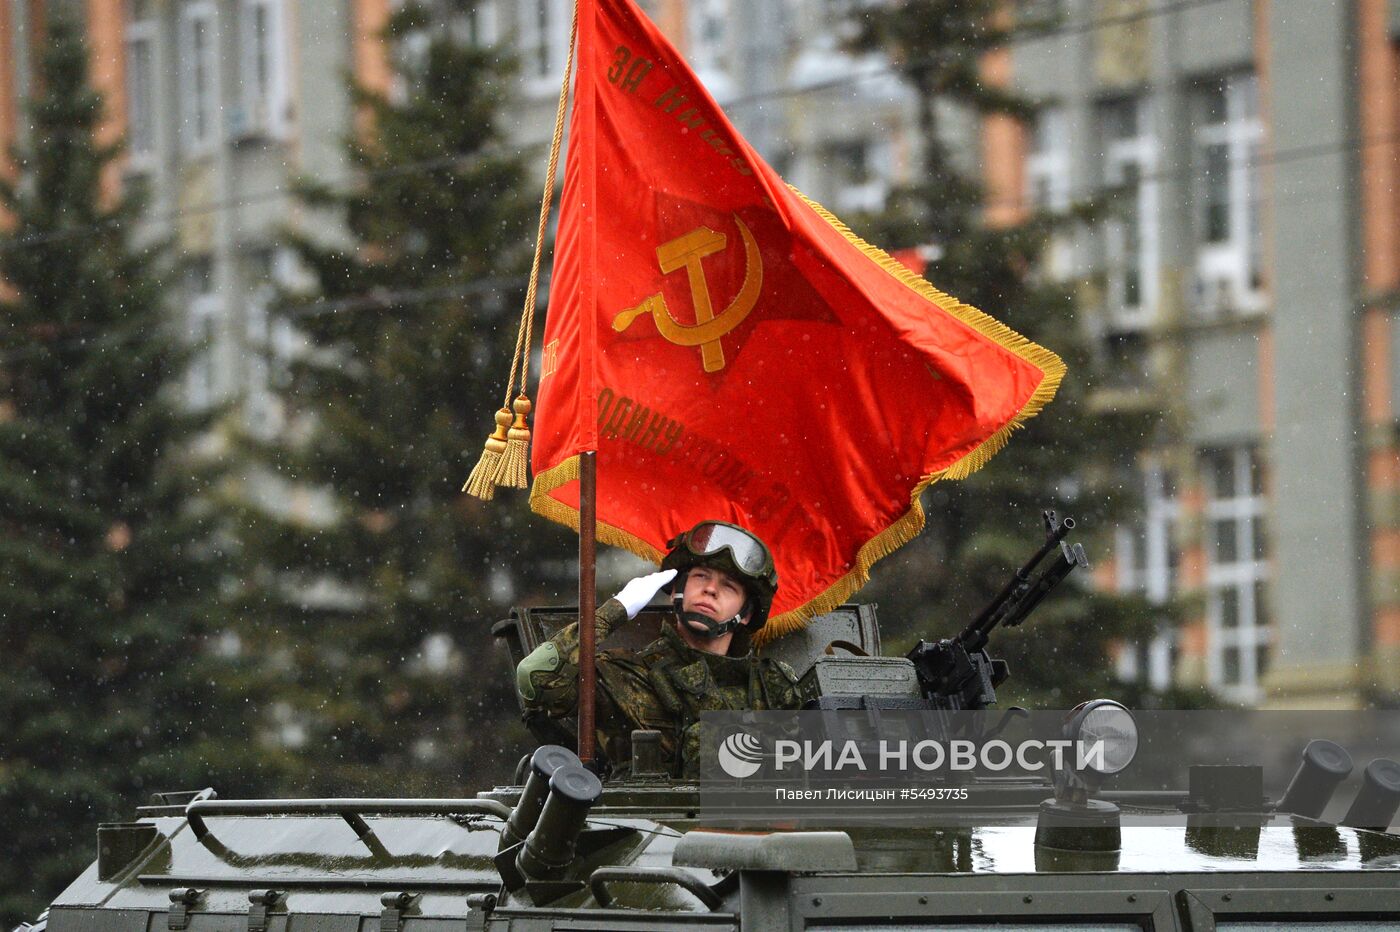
[(637, 593)]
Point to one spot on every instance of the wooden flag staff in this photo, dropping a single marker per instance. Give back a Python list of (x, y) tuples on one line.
[(587, 562)]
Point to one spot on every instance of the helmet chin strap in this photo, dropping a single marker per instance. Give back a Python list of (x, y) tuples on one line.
[(712, 629)]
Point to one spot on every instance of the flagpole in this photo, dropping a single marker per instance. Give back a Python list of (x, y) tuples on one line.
[(585, 112), (587, 554)]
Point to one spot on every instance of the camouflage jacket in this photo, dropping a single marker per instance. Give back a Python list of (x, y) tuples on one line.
[(664, 686)]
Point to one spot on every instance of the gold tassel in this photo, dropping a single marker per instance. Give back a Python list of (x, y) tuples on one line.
[(513, 471), (482, 481)]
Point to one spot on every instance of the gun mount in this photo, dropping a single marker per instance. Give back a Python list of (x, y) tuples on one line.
[(951, 674), (957, 673)]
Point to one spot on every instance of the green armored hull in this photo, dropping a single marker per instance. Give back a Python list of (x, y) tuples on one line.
[(419, 865), (563, 851)]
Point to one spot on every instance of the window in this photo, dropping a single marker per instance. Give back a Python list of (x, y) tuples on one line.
[(411, 64), (709, 20), (197, 64), (265, 344), (1048, 181), (140, 91), (260, 290), (1130, 233), (258, 403), (1227, 135), (544, 37), (478, 24), (1047, 167), (263, 101), (271, 338), (203, 376), (1147, 563), (1236, 544), (851, 174), (848, 161)]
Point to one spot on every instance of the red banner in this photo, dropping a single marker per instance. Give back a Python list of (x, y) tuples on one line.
[(732, 351)]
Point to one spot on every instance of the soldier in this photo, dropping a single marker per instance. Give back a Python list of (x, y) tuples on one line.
[(722, 582)]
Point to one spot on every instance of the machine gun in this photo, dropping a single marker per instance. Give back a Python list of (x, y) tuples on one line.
[(957, 673)]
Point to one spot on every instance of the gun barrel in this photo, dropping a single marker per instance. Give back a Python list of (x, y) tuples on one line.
[(1039, 589), (990, 616)]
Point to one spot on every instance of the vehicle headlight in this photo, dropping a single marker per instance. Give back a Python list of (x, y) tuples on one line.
[(1106, 735)]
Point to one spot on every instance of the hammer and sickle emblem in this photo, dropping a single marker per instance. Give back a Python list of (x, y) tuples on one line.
[(688, 252)]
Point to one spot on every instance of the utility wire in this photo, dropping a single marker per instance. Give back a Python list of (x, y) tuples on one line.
[(1069, 27), (1273, 157), (376, 299), (1185, 173), (379, 300), (340, 186)]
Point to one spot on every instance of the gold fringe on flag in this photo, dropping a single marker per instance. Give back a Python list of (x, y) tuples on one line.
[(908, 525)]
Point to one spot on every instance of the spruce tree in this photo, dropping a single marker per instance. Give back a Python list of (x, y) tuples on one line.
[(377, 613), (109, 564), (1074, 457)]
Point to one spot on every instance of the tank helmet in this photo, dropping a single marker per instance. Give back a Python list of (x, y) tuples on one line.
[(736, 551)]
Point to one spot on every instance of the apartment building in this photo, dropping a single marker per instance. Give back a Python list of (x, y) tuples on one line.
[(1245, 278), (223, 105), (834, 123), (1247, 274)]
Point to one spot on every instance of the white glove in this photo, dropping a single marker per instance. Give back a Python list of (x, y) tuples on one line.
[(637, 593)]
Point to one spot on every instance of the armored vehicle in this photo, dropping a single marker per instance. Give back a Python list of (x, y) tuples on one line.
[(562, 849)]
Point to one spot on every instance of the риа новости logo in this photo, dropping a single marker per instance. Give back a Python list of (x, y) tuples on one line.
[(740, 755)]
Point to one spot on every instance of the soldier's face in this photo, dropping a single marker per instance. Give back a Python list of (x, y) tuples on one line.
[(713, 593)]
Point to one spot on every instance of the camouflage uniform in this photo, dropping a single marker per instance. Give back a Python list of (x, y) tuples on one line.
[(664, 686)]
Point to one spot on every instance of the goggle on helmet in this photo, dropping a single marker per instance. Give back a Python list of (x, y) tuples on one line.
[(738, 552)]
